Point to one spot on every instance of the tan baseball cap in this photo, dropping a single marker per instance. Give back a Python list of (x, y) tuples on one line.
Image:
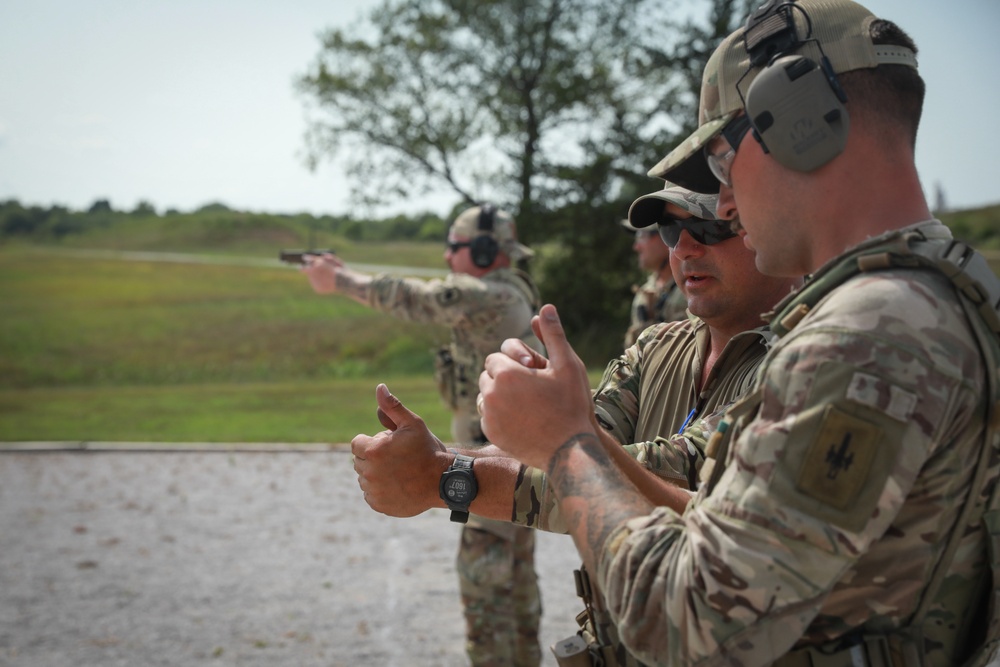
[(842, 29), (466, 225), (647, 209)]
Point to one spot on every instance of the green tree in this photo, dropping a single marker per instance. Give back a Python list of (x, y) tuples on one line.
[(144, 209), (551, 108), (15, 220), (491, 97), (590, 276), (100, 206)]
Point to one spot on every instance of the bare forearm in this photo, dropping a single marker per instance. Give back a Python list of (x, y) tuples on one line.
[(496, 477), (655, 489), (595, 498)]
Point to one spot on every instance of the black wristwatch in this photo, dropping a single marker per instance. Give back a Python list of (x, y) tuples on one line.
[(458, 487)]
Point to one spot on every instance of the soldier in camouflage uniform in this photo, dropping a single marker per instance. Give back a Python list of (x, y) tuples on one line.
[(847, 512), (677, 373), (483, 301)]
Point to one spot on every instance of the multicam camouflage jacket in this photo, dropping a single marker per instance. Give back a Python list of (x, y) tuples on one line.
[(481, 313), (654, 303), (650, 393), (838, 489)]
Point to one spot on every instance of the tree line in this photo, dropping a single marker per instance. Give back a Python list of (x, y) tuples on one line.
[(55, 223)]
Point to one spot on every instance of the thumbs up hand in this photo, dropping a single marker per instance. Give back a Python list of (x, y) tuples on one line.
[(399, 469), (531, 406)]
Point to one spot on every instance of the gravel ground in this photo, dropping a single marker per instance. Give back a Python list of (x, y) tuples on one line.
[(180, 558)]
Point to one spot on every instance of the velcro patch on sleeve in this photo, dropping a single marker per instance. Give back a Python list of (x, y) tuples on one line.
[(842, 446), (449, 296), (875, 392), (839, 459)]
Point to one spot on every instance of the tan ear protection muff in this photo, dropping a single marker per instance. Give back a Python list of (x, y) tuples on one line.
[(484, 248), (795, 105)]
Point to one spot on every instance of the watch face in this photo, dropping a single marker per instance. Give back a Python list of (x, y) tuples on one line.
[(459, 489)]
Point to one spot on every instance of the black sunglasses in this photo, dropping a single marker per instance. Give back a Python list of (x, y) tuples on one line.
[(455, 246), (705, 232)]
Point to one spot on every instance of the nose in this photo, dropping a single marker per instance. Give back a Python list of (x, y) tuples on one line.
[(726, 207), (687, 246)]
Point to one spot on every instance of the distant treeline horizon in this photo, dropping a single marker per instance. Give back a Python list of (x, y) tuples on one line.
[(975, 225), (40, 223)]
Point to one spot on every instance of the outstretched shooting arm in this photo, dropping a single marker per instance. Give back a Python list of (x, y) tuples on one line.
[(328, 274)]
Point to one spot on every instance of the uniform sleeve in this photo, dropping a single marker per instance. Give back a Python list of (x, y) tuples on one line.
[(459, 301), (678, 459), (616, 399), (534, 505), (810, 486)]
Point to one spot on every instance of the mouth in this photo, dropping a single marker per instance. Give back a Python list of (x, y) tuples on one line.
[(695, 279)]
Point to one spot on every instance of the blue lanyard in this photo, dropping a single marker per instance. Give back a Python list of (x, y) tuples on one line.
[(688, 420)]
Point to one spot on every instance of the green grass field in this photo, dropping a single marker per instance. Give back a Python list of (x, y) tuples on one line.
[(98, 349), (122, 350)]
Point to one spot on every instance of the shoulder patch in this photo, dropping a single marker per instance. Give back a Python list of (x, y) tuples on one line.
[(839, 459), (842, 446), (449, 296)]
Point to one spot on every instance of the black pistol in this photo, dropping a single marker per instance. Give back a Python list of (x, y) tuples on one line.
[(299, 256)]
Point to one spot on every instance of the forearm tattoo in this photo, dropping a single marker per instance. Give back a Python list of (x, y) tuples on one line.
[(596, 497)]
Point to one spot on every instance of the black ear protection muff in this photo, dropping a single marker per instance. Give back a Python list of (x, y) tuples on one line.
[(483, 247), (795, 105)]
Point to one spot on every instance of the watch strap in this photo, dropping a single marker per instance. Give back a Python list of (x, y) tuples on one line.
[(459, 513), (461, 462)]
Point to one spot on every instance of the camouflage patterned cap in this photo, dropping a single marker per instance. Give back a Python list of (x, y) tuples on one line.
[(466, 225), (840, 26), (647, 209)]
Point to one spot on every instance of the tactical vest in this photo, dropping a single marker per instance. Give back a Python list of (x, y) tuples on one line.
[(979, 295)]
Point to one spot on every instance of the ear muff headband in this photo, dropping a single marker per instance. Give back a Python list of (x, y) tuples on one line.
[(796, 105), (483, 247)]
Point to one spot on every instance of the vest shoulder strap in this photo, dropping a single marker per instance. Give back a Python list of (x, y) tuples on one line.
[(960, 263)]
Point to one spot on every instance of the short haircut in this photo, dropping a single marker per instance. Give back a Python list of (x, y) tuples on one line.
[(889, 94)]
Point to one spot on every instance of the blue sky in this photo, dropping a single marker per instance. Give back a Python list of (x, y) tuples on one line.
[(188, 102)]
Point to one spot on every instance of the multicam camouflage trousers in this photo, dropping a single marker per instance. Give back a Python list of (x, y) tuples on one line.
[(499, 587)]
